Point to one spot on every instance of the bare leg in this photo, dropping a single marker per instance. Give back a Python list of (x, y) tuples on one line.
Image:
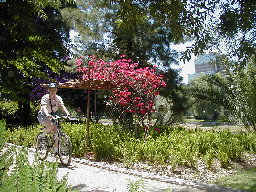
[(50, 128)]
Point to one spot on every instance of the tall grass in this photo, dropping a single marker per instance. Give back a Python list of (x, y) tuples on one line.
[(24, 176), (173, 146)]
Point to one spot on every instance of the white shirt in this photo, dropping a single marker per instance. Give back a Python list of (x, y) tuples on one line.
[(51, 104)]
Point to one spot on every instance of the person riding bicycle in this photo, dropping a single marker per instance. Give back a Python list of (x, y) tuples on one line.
[(50, 104)]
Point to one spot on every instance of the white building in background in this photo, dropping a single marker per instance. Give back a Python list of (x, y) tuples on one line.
[(205, 64)]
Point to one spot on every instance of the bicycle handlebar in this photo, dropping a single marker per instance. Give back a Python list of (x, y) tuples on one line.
[(56, 117)]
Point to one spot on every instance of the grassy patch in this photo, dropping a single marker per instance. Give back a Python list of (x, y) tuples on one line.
[(243, 180)]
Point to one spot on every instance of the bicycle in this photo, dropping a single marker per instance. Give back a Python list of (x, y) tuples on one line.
[(44, 144)]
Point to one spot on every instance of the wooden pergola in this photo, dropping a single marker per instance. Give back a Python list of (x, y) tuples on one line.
[(89, 85)]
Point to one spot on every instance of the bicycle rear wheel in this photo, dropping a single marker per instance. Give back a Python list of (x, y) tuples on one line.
[(42, 146), (65, 149)]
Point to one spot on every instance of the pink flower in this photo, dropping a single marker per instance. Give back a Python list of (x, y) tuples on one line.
[(157, 129), (134, 84), (143, 111), (79, 62), (140, 104)]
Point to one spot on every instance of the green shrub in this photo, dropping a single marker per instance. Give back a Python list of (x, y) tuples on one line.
[(174, 146), (2, 133), (106, 141), (77, 134), (38, 177), (23, 136), (184, 148), (8, 110), (9, 107)]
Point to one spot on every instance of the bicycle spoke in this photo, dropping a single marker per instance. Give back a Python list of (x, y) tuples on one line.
[(42, 146), (65, 149)]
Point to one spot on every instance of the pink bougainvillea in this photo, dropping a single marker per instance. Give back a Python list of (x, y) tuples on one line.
[(136, 87)]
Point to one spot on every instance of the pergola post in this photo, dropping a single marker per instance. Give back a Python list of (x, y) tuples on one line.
[(87, 139)]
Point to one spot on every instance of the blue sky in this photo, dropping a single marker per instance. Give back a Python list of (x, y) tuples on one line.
[(188, 67)]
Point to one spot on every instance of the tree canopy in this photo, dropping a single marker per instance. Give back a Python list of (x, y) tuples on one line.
[(33, 42), (235, 92), (145, 29)]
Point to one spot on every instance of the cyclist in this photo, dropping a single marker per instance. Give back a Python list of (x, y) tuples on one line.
[(50, 104)]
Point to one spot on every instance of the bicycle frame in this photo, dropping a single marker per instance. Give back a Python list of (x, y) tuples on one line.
[(55, 136), (63, 142)]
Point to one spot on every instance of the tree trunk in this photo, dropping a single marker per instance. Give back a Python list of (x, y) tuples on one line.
[(24, 113)]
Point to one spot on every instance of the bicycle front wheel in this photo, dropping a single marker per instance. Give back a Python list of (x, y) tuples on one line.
[(65, 149), (42, 146)]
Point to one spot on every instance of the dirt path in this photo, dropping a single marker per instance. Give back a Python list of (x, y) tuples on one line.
[(89, 176), (102, 177)]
